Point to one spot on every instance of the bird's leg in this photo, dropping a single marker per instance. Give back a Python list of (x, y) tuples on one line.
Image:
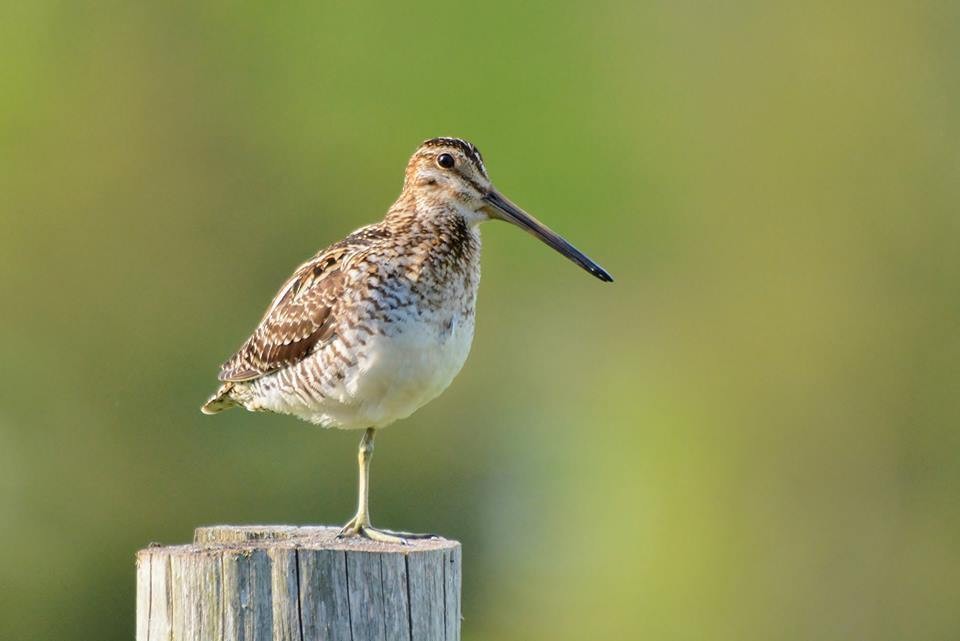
[(362, 518), (360, 523)]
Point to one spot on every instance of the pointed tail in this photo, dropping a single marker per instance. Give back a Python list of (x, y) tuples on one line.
[(220, 401)]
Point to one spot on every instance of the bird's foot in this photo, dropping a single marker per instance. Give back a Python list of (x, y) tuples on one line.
[(356, 527)]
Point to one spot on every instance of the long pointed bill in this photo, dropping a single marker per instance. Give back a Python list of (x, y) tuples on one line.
[(505, 210)]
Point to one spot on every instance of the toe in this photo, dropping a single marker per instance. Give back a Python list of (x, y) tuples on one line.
[(382, 536)]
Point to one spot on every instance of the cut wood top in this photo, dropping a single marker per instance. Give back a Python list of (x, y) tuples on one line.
[(306, 537)]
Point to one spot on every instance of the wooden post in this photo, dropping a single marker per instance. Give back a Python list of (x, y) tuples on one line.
[(285, 583)]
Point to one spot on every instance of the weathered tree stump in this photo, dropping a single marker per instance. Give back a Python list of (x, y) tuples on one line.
[(285, 583)]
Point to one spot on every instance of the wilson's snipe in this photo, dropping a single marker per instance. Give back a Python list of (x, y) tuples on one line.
[(378, 324)]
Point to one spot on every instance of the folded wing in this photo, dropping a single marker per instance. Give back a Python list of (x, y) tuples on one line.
[(300, 318)]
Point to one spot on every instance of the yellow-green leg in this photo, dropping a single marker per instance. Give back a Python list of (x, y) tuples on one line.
[(360, 523)]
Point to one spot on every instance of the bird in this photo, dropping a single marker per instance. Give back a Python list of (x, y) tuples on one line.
[(375, 326)]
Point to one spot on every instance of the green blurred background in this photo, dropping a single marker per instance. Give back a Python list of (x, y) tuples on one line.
[(752, 434)]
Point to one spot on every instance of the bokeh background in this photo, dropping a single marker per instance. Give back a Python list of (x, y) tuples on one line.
[(752, 434)]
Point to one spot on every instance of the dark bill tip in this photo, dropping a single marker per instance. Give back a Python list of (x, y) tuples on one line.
[(602, 274)]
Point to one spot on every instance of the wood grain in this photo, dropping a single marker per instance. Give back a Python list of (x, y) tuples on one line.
[(287, 583)]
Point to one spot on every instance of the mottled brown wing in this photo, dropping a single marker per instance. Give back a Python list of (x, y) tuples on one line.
[(300, 317)]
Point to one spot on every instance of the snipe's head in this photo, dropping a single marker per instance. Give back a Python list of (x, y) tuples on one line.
[(449, 172)]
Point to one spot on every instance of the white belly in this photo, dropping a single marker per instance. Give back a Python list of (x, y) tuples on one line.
[(395, 375), (398, 375)]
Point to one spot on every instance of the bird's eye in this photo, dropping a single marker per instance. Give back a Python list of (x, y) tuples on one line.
[(446, 161)]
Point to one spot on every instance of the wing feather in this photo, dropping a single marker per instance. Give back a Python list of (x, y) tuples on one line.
[(301, 317)]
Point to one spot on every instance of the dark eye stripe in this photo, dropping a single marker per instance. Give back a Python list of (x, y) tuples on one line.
[(474, 185)]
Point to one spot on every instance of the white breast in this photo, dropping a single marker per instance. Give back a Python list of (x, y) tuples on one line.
[(399, 374)]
